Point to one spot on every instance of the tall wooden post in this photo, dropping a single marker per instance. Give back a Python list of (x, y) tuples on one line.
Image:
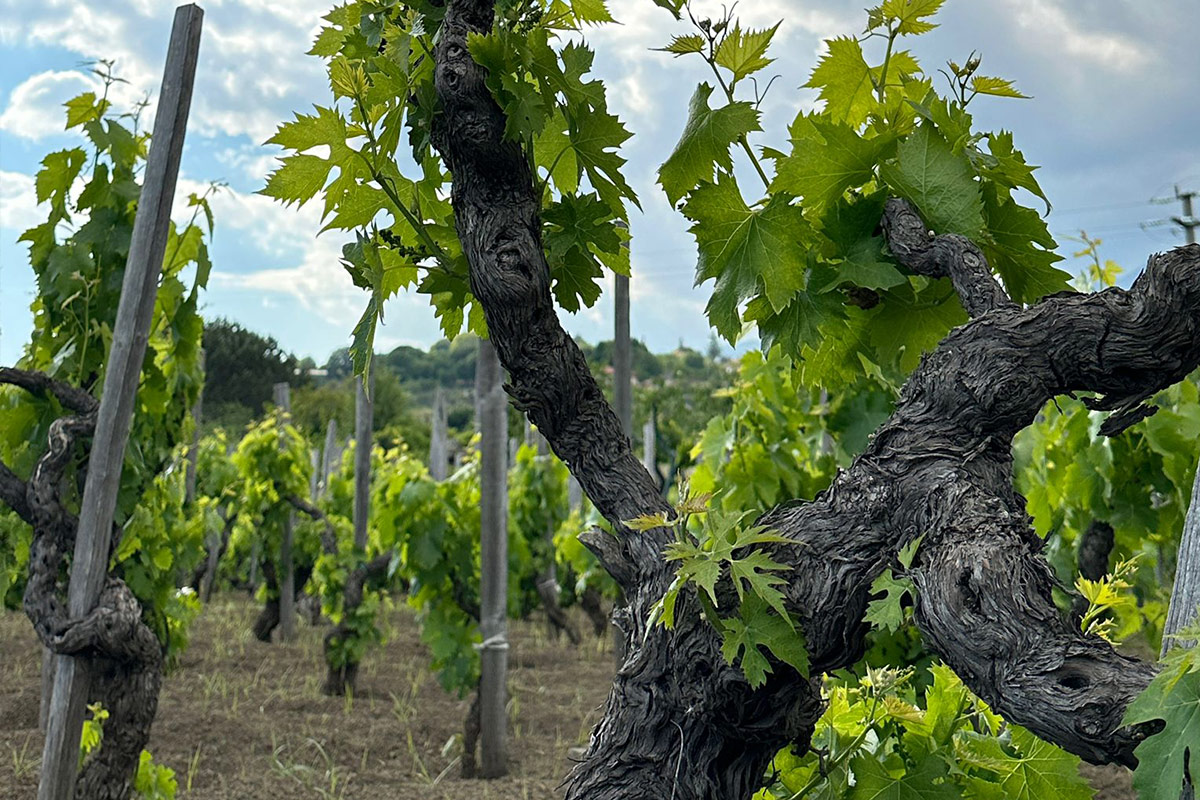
[(622, 398), (329, 455), (493, 590), (439, 439), (1185, 594), (364, 409), (194, 450), (287, 580), (60, 756), (623, 358), (650, 446)]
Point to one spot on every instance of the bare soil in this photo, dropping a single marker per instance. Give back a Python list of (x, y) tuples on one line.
[(243, 720), (246, 720)]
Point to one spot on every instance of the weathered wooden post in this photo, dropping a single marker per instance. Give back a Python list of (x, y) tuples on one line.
[(439, 439), (1185, 595), (493, 590), (364, 411), (622, 396), (329, 455), (194, 450), (650, 446), (287, 581), (60, 755)]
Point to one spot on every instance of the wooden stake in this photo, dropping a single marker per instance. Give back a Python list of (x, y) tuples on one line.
[(493, 590), (287, 581), (364, 411), (439, 439), (194, 450), (60, 756), (330, 457)]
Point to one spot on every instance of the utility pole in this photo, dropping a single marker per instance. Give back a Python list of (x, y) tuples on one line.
[(1188, 221)]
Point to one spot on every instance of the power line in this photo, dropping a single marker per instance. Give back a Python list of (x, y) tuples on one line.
[(1187, 220)]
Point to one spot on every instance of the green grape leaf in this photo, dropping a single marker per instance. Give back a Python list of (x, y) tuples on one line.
[(756, 629), (928, 780), (674, 6), (939, 183), (705, 142), (858, 252), (745, 52), (844, 81), (906, 324), (85, 108), (682, 45), (326, 127), (1039, 770), (1010, 168), (362, 342), (1021, 249), (747, 251), (328, 42), (1174, 698), (58, 172), (298, 179), (826, 160), (593, 133), (998, 87), (593, 11), (577, 229), (888, 612), (910, 15), (553, 152), (800, 326)]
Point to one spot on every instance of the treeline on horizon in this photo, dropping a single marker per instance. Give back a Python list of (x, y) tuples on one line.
[(243, 366)]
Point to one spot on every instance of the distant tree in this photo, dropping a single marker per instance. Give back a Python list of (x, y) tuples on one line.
[(339, 364), (240, 368)]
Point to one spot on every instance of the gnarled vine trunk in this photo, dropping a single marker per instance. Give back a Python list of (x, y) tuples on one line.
[(679, 721), (124, 656), (343, 678)]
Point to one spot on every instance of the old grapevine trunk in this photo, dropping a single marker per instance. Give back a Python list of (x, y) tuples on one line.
[(124, 654), (679, 721)]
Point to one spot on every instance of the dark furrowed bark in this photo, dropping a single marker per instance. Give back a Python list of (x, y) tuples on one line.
[(548, 593), (124, 656), (593, 606), (675, 701), (344, 678), (947, 448), (1095, 548), (268, 619)]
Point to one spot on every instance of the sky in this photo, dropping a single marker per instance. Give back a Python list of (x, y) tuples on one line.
[(1114, 120)]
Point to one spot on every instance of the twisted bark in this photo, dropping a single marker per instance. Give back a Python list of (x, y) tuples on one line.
[(125, 657), (679, 721), (344, 677)]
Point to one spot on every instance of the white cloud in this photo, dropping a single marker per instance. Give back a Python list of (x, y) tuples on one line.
[(35, 109), (253, 69), (18, 201), (1049, 26)]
